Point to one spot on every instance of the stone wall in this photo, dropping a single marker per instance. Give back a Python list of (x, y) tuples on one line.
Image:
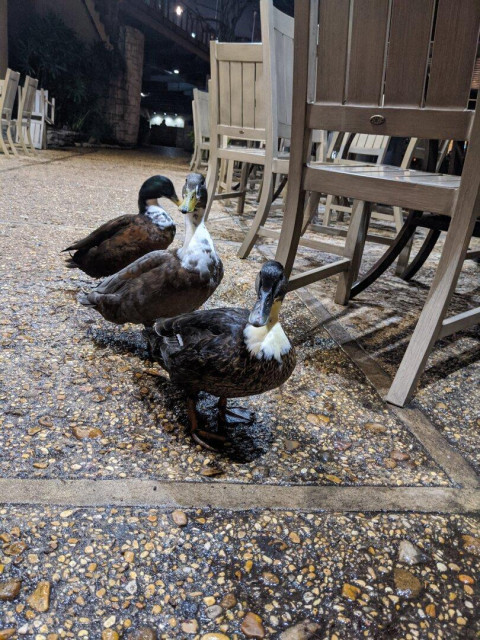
[(122, 108)]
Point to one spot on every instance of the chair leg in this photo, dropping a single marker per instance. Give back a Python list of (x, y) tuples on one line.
[(29, 138), (243, 187), (194, 160), (21, 137), (419, 260), (390, 255), (311, 209), (430, 322), (11, 142), (327, 216), (404, 257), (212, 181), (354, 244), (261, 215), (229, 179), (3, 146)]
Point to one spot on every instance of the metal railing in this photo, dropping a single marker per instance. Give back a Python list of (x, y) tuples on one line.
[(183, 20)]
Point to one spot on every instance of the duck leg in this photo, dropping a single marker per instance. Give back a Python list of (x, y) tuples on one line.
[(206, 439), (235, 415)]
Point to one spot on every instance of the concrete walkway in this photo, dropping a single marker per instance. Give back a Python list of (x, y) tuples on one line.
[(336, 508)]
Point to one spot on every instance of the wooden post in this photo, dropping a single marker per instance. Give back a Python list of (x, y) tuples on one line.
[(3, 38)]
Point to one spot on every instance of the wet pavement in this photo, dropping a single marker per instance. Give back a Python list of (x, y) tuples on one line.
[(82, 401)]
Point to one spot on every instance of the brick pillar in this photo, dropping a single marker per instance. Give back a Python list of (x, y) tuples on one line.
[(123, 103), (3, 37)]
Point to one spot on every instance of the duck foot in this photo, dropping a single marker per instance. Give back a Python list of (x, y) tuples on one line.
[(236, 415), (206, 439), (209, 440)]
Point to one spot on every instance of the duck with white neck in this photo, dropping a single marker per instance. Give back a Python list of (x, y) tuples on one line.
[(163, 284)]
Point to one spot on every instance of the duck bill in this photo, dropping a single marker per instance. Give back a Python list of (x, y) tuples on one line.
[(189, 202), (260, 313), (176, 200)]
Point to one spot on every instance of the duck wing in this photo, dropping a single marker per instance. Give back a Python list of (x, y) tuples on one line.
[(134, 271), (104, 232), (201, 345)]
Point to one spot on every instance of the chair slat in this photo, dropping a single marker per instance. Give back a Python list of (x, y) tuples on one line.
[(403, 121), (224, 92), (259, 99), (236, 100), (279, 60), (408, 50), (453, 57), (248, 94), (367, 51), (332, 50)]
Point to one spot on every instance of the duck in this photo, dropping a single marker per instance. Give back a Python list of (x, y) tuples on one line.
[(163, 284), (228, 353), (119, 242)]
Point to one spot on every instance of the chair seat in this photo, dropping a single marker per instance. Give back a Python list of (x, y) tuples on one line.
[(254, 155), (384, 183)]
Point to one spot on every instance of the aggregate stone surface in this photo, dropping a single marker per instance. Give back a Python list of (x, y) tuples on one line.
[(82, 400), (125, 569)]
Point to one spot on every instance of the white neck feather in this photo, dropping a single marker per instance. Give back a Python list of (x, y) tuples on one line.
[(159, 216), (198, 251), (267, 342)]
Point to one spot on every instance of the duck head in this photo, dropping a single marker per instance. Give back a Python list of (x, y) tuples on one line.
[(195, 196), (154, 188), (271, 288)]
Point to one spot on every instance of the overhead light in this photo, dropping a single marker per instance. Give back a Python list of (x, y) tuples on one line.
[(144, 95), (164, 113), (194, 35), (176, 114), (176, 71), (179, 10)]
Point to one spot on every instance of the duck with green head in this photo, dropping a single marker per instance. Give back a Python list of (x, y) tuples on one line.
[(228, 352), (121, 241)]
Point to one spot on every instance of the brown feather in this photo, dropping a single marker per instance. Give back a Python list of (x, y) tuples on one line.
[(118, 243)]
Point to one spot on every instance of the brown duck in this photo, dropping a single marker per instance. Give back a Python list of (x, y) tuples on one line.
[(229, 353), (163, 284), (121, 241)]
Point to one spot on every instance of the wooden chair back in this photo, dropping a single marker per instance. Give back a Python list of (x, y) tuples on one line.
[(392, 67), (238, 91), (26, 102), (277, 38), (9, 92), (201, 121), (369, 145)]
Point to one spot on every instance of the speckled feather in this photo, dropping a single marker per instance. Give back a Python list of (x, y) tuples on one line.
[(206, 351)]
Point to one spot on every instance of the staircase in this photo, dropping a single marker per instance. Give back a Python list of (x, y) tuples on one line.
[(97, 21)]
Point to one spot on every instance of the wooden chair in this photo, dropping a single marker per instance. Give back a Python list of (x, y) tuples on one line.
[(43, 113), (277, 39), (350, 80), (26, 104), (201, 129), (7, 100), (248, 107), (374, 147)]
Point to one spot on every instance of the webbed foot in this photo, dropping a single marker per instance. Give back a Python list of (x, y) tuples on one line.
[(206, 439), (209, 440), (236, 415)]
